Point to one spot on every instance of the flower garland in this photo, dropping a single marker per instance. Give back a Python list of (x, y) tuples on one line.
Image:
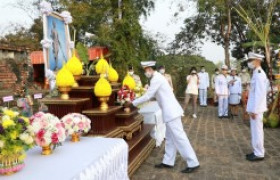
[(125, 95)]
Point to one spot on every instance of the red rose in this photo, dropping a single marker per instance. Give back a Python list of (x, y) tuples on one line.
[(55, 138)]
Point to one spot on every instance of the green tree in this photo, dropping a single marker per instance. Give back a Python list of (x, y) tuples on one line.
[(116, 26)]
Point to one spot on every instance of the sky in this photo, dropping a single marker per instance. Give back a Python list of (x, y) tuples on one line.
[(160, 21)]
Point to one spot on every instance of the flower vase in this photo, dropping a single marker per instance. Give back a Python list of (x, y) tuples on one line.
[(46, 150), (104, 106), (77, 78), (10, 165), (64, 92), (75, 137)]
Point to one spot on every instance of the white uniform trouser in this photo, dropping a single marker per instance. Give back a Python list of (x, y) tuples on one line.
[(203, 97), (223, 106), (176, 139), (257, 135)]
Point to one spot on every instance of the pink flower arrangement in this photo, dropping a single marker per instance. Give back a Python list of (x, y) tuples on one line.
[(48, 129), (76, 123)]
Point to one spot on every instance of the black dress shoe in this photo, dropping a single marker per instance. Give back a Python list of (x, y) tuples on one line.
[(161, 166), (248, 155), (220, 117), (254, 158), (190, 169), (226, 117)]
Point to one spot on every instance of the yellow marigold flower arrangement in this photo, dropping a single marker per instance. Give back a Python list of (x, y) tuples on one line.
[(129, 81), (64, 78), (113, 75), (102, 66), (102, 87), (74, 65)]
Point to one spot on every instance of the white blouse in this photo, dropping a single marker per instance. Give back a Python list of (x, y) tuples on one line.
[(192, 87)]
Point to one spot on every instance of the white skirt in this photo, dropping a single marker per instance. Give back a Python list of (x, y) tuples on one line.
[(234, 99)]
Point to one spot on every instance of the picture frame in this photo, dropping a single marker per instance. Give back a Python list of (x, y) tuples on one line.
[(58, 33)]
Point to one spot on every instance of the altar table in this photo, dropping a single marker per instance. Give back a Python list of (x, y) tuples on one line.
[(89, 159), (153, 115)]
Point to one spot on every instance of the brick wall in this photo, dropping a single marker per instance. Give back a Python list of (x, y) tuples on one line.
[(8, 78)]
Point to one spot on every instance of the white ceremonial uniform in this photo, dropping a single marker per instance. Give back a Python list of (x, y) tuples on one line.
[(176, 138), (203, 85), (257, 104), (235, 90), (222, 91)]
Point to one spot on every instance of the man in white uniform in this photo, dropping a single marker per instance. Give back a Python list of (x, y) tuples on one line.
[(235, 89), (213, 79), (176, 138), (203, 86), (256, 106), (222, 92)]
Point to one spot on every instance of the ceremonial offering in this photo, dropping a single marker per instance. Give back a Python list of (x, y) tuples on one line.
[(129, 81), (102, 66), (139, 91), (76, 124), (103, 91), (113, 76), (64, 81), (49, 131), (75, 66), (16, 137), (125, 95)]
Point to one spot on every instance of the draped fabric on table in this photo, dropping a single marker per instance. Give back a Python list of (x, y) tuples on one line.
[(111, 166), (153, 115), (89, 159)]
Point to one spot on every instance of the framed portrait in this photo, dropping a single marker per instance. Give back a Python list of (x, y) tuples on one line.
[(58, 32)]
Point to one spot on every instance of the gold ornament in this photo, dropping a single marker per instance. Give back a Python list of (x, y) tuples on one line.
[(102, 66), (129, 81), (113, 75)]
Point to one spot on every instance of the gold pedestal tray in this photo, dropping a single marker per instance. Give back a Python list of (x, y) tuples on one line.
[(64, 92)]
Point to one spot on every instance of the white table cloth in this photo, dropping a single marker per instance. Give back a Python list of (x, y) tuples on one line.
[(153, 115), (89, 159)]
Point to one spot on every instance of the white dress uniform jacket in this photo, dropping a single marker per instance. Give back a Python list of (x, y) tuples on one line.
[(257, 104), (221, 85), (161, 90), (235, 89), (257, 95)]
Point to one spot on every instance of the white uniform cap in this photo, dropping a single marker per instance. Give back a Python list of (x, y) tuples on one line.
[(233, 69), (252, 55), (224, 67), (148, 63)]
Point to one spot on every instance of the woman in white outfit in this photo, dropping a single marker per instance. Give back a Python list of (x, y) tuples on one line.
[(192, 90)]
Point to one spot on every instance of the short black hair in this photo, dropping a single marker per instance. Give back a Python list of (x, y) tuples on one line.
[(192, 68), (130, 67)]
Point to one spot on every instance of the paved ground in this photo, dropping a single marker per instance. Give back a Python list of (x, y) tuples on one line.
[(220, 146)]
